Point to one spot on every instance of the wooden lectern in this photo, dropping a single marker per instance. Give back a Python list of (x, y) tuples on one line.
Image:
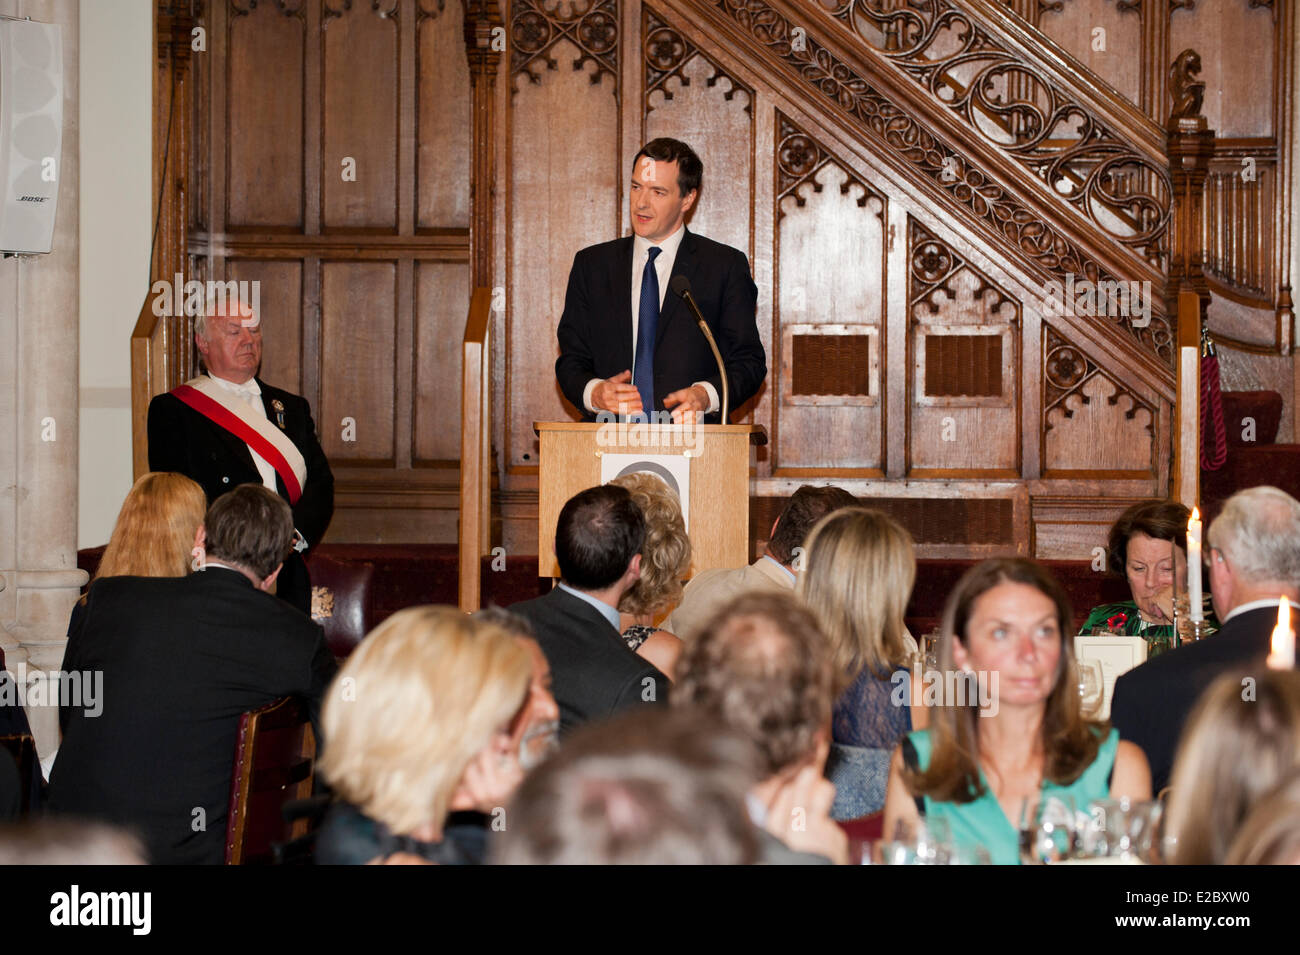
[(717, 457)]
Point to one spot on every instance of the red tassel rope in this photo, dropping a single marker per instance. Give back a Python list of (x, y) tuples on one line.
[(1214, 440)]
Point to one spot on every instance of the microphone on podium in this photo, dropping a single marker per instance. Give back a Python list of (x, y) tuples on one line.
[(681, 285)]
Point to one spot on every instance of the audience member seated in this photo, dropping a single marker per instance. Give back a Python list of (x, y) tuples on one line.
[(11, 787), (475, 691), (662, 786), (763, 669), (707, 591), (665, 558), (1253, 549), (158, 530), (181, 658), (1241, 742), (598, 540), (49, 841), (1009, 733), (1271, 833), (859, 569), (1148, 547)]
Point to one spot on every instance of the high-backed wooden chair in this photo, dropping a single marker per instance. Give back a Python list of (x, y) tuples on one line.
[(23, 749), (275, 755)]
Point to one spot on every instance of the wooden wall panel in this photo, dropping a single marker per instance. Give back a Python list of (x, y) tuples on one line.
[(440, 292), (565, 193), (956, 424), (1236, 44), (712, 113), (830, 272), (442, 93), (359, 116), (279, 290), (358, 354), (1119, 62), (264, 144)]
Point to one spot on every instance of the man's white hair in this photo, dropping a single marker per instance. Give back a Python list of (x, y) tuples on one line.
[(218, 301), (1258, 530)]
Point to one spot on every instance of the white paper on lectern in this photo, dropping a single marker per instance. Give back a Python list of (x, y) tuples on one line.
[(673, 469), (1117, 656)]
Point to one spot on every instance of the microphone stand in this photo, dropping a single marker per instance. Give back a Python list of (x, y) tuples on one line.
[(717, 355)]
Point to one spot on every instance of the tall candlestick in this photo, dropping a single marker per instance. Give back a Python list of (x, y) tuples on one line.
[(1195, 610), (1282, 653)]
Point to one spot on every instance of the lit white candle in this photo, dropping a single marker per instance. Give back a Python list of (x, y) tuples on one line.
[(1195, 611), (1282, 654)]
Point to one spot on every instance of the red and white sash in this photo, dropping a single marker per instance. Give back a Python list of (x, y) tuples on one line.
[(238, 417)]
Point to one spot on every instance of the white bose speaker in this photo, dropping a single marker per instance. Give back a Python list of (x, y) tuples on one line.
[(31, 133)]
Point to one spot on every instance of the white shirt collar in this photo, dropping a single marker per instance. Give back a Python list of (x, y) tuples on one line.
[(641, 246), (249, 387), (1254, 605)]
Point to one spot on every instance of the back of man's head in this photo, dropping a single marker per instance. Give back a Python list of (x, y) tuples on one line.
[(250, 527), (762, 668), (806, 507), (1258, 532), (650, 787), (599, 531)]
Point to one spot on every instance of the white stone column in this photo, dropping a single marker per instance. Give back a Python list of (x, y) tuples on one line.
[(39, 307)]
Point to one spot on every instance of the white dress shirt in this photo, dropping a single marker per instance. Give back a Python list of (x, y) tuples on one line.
[(251, 393), (663, 270)]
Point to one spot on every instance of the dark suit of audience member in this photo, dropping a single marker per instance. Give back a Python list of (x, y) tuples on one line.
[(1153, 701), (181, 659), (598, 542), (1253, 550), (11, 787)]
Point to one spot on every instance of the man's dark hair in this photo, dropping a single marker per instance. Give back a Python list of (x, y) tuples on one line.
[(690, 171), (806, 507), (599, 531), (654, 786), (250, 526), (762, 668)]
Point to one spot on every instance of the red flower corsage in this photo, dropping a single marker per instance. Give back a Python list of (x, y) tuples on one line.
[(1117, 621)]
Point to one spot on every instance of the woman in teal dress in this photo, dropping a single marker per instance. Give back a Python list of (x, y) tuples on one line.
[(1012, 735), (1148, 546)]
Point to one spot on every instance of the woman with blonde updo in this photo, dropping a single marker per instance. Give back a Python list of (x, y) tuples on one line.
[(665, 558)]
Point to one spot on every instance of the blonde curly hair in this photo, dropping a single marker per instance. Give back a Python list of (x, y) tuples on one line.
[(666, 554)]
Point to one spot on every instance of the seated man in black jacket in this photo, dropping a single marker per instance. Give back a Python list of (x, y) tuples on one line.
[(181, 658), (598, 542), (1254, 559)]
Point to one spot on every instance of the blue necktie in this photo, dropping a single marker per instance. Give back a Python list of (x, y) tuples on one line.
[(643, 368)]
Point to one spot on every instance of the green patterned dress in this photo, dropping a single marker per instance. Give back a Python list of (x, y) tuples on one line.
[(1123, 618)]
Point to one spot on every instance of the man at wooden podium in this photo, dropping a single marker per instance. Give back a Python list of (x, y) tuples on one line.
[(628, 344)]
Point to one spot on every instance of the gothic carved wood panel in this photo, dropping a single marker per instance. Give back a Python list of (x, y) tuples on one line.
[(565, 174), (689, 96), (830, 266), (1091, 422), (963, 416)]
